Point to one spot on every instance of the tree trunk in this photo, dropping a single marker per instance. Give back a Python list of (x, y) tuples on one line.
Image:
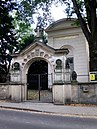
[(93, 56)]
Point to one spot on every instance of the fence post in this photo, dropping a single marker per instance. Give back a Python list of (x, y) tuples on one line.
[(39, 85)]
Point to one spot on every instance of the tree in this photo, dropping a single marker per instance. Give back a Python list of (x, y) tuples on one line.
[(29, 9), (24, 32), (86, 13), (8, 42), (89, 27)]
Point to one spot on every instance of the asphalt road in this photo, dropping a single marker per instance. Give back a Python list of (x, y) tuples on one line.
[(10, 119)]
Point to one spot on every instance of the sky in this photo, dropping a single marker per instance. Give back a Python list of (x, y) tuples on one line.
[(58, 12)]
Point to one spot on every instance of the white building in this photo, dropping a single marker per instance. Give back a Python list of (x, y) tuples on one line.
[(64, 34)]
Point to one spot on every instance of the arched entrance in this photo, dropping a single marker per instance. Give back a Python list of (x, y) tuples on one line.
[(37, 79), (38, 71)]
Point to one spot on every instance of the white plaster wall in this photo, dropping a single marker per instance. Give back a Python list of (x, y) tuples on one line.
[(75, 38)]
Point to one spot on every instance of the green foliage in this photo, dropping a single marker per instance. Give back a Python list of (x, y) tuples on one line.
[(7, 36), (26, 41), (24, 32), (29, 9)]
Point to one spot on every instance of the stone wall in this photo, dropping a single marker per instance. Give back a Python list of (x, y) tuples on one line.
[(4, 91), (72, 93), (13, 91), (84, 93), (62, 94)]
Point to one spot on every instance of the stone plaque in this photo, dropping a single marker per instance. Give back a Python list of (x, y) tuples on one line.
[(15, 76)]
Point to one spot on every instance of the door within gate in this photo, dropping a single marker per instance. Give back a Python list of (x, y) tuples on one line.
[(38, 90)]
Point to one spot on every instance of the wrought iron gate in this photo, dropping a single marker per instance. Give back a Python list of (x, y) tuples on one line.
[(38, 89)]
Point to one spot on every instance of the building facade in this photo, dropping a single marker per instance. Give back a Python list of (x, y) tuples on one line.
[(66, 51)]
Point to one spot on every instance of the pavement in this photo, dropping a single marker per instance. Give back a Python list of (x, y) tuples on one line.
[(85, 111)]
